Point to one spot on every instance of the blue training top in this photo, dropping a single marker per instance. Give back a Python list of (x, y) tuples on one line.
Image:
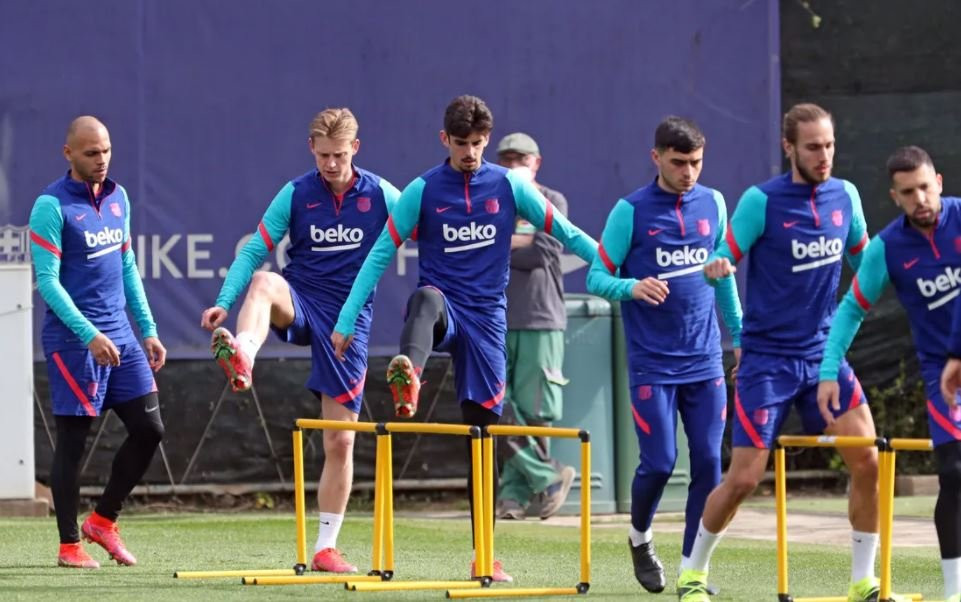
[(654, 233), (85, 267), (330, 235), (796, 235), (926, 276), (464, 222)]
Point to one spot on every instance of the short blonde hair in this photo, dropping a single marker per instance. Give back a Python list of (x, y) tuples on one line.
[(336, 124)]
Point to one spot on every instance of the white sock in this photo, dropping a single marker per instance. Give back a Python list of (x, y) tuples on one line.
[(951, 567), (640, 537), (248, 344), (328, 530), (703, 548), (864, 551)]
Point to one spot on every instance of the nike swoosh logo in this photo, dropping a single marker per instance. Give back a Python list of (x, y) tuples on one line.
[(910, 264), (312, 205), (655, 232), (790, 224), (153, 409), (441, 209), (80, 217)]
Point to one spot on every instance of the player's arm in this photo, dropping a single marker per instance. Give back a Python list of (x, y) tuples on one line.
[(951, 375), (602, 277), (391, 194), (271, 229), (747, 225), (542, 248), (857, 238), (137, 298), (132, 284), (726, 288), (532, 206), (400, 224), (866, 288), (46, 225)]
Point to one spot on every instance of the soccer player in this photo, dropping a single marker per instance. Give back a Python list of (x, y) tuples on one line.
[(916, 253), (333, 214), (464, 211), (659, 237), (87, 274), (797, 227)]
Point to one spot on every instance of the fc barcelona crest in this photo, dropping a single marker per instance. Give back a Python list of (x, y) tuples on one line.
[(837, 218), (703, 227), (115, 209), (363, 204), (492, 205)]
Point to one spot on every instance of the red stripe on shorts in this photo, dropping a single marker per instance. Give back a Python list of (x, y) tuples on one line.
[(73, 385)]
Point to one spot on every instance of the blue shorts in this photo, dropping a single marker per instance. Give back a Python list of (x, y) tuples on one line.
[(944, 424), (343, 381), (477, 343), (81, 387), (768, 385)]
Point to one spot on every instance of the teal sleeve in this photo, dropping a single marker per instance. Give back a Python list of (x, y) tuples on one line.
[(866, 288), (858, 231), (726, 288), (132, 284), (399, 227), (602, 278), (391, 194), (532, 206), (747, 225), (270, 231), (46, 224)]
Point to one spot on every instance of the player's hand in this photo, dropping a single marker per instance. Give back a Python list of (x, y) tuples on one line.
[(340, 343), (951, 381), (213, 317), (650, 290), (829, 394), (737, 363), (105, 353), (719, 268), (156, 353)]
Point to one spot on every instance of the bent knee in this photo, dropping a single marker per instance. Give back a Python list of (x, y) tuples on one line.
[(338, 445)]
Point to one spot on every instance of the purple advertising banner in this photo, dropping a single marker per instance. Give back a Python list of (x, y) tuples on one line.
[(208, 104)]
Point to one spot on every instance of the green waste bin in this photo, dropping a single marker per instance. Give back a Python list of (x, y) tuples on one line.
[(588, 400), (625, 439)]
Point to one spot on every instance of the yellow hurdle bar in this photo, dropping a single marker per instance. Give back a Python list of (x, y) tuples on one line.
[(388, 586), (780, 505), (336, 425), (516, 592), (377, 551), (828, 441), (845, 598), (387, 490), (299, 502), (428, 428), (886, 518), (308, 579), (911, 444), (480, 528), (232, 573), (585, 514), (487, 453), (533, 431)]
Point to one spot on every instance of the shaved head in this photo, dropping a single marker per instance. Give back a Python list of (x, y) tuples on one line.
[(88, 150), (84, 125)]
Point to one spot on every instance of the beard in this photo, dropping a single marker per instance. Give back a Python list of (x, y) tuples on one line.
[(810, 177)]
